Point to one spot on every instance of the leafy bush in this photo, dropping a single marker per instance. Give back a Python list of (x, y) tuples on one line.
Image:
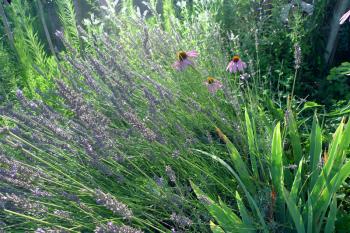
[(338, 77), (116, 147)]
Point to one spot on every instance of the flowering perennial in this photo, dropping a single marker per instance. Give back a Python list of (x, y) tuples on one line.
[(213, 85), (183, 60), (236, 64)]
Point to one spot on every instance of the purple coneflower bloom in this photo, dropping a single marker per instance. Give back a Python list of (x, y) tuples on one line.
[(183, 59), (345, 17), (213, 85), (236, 64)]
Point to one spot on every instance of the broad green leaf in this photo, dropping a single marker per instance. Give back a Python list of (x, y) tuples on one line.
[(252, 145), (251, 200), (343, 146), (215, 228), (229, 211), (238, 163), (310, 216), (323, 179), (226, 218), (311, 104), (296, 182), (294, 136), (315, 151), (328, 183), (329, 228), (277, 171), (333, 150), (294, 212), (325, 196), (243, 211)]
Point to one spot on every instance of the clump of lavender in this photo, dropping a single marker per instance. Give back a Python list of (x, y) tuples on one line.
[(62, 213), (291, 167), (175, 154), (16, 202), (170, 173), (47, 230), (89, 118), (112, 100), (181, 220), (297, 56), (112, 228), (14, 173), (159, 181), (139, 126), (112, 204)]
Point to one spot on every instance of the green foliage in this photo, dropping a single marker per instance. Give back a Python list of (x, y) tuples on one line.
[(277, 175), (8, 74), (338, 80), (315, 150), (309, 201), (119, 72), (294, 136), (67, 16), (226, 218), (168, 13), (294, 212), (36, 68)]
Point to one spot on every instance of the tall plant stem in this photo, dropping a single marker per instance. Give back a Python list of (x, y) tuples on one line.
[(7, 28), (293, 87), (47, 34), (33, 219)]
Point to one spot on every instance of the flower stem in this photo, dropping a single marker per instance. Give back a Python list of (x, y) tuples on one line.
[(37, 220), (293, 87)]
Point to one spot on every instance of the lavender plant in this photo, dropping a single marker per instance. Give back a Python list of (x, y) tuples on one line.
[(142, 100), (115, 148)]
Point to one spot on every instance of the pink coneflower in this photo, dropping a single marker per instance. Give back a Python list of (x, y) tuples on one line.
[(213, 85), (344, 17), (183, 59), (236, 64)]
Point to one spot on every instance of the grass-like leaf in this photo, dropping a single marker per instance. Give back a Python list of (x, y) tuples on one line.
[(252, 145), (238, 162), (296, 182), (251, 200), (277, 171), (329, 228), (243, 210), (215, 228), (294, 136), (226, 218), (294, 212), (315, 150)]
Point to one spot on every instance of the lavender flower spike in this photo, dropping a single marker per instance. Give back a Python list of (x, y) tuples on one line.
[(112, 204), (181, 220), (111, 228), (183, 60)]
